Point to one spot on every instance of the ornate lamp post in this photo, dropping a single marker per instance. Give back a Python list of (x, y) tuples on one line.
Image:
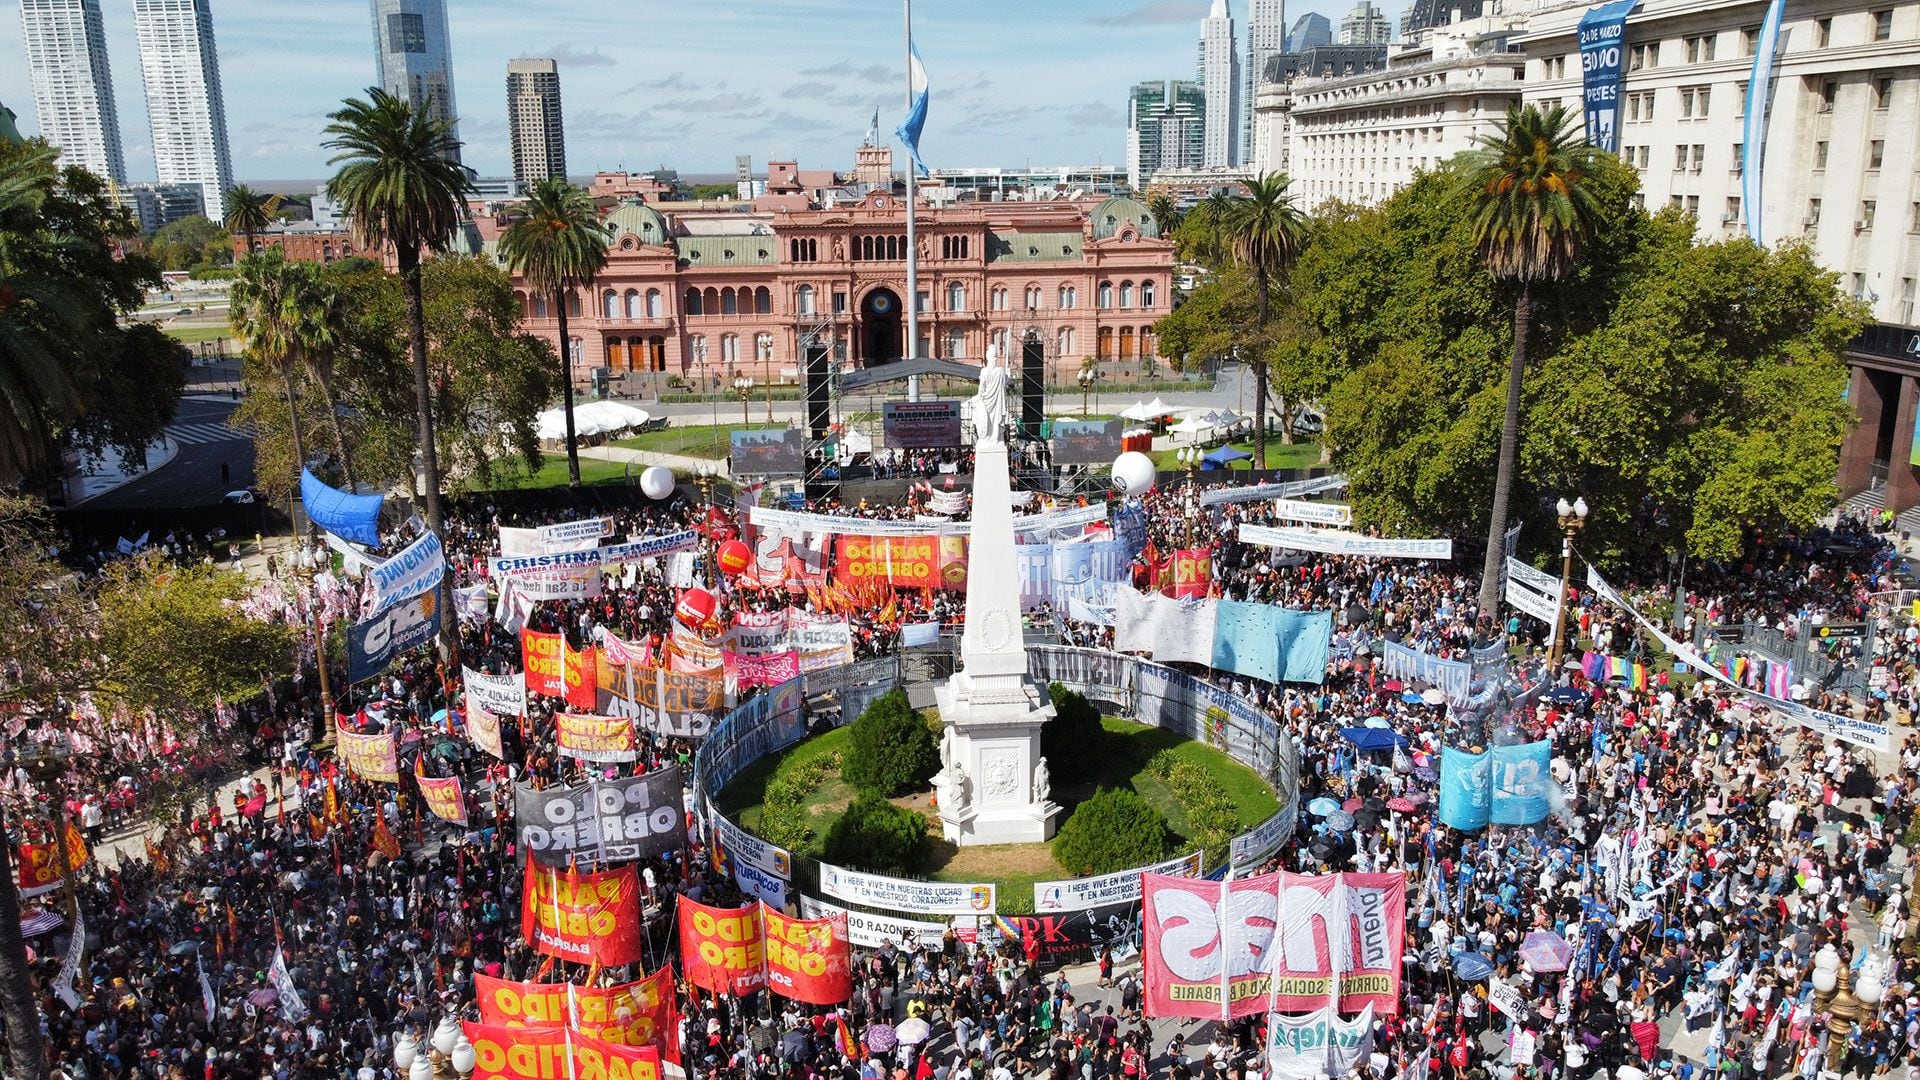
[(743, 386), (1844, 1006), (447, 1054), (1189, 457), (1573, 518)]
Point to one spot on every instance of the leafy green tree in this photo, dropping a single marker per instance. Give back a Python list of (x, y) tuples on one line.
[(1166, 212), (1114, 830), (249, 211), (69, 370), (1218, 209), (1267, 232), (180, 245), (1209, 323), (559, 244), (890, 749), (1531, 214), (1072, 741), (401, 183), (291, 315), (877, 836)]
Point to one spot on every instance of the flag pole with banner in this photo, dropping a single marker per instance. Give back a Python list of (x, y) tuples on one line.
[(909, 133)]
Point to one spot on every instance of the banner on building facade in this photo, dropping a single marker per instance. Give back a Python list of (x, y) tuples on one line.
[(556, 1053), (1603, 61), (588, 918), (595, 738), (633, 817), (369, 757), (373, 643), (898, 894), (1285, 942), (1117, 888)]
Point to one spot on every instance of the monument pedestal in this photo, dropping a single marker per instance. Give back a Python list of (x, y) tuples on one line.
[(993, 785)]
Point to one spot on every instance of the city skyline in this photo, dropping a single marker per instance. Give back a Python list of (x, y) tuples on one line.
[(789, 81)]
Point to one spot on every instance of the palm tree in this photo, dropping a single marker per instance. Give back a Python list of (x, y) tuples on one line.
[(401, 183), (1531, 213), (1219, 207), (1267, 232), (40, 317), (559, 244), (318, 330), (1166, 212), (265, 312), (248, 212)]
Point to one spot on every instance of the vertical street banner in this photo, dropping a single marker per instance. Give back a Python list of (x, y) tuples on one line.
[(1603, 61), (369, 757), (442, 795), (543, 655), (1759, 108), (595, 738), (807, 959), (586, 918), (555, 1053), (720, 948), (1466, 789)]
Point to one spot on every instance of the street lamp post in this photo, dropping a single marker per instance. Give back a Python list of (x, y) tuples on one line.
[(743, 385), (1189, 456), (446, 1054), (306, 568), (1845, 1006), (1573, 518)]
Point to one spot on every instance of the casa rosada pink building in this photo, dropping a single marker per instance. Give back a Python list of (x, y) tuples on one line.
[(711, 294)]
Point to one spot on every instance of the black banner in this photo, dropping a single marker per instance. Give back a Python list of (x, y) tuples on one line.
[(609, 820), (921, 425), (1079, 933), (1086, 442), (373, 644)]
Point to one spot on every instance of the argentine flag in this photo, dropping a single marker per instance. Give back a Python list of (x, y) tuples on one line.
[(909, 129)]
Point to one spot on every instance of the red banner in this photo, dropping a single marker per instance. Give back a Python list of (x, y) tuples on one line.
[(544, 657), (586, 918), (640, 1013), (720, 948), (912, 561), (1192, 573), (39, 866), (580, 674), (554, 1053), (745, 672), (595, 738), (807, 959), (442, 795), (1304, 929)]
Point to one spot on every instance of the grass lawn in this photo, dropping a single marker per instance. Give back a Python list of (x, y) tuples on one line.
[(553, 473), (1015, 867), (1299, 455), (194, 335), (696, 440)]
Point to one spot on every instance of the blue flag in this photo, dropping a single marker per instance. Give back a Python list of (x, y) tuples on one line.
[(909, 129)]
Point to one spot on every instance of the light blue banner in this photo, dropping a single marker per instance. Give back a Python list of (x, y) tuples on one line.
[(1520, 778), (347, 516), (1246, 639), (1306, 637), (1465, 789)]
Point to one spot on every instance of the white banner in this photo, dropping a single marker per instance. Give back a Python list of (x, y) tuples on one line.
[(1507, 998), (1318, 1044), (757, 633), (1133, 614), (1265, 838), (65, 981), (417, 568), (947, 502), (1538, 580), (1453, 678), (1316, 513), (768, 517), (896, 894), (872, 931), (746, 849), (1523, 599), (592, 558), (589, 531), (1337, 542), (502, 695), (1118, 888), (292, 1009), (1183, 630), (758, 883), (1292, 489)]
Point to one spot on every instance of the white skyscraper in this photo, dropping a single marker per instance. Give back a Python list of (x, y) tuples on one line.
[(413, 55), (1220, 76), (534, 121), (1266, 37), (72, 88), (184, 107)]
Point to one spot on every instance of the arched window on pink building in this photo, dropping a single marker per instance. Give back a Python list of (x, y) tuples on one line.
[(763, 301), (1126, 294), (634, 310), (1105, 300), (694, 307), (520, 300), (729, 302), (710, 301), (573, 305), (1033, 298), (1067, 297), (540, 307), (1146, 294), (653, 304), (609, 305)]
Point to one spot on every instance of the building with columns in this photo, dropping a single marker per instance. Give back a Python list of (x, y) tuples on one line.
[(706, 295)]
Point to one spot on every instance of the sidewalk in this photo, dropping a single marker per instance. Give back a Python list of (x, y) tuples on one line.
[(678, 462)]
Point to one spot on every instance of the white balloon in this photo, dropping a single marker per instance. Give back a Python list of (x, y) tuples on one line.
[(656, 482), (1133, 473)]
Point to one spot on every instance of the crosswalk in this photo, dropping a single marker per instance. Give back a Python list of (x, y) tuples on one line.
[(197, 434)]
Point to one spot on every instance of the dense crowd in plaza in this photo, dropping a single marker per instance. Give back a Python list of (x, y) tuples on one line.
[(1702, 855)]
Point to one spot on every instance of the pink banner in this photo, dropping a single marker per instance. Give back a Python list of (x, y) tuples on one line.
[(745, 672), (369, 757)]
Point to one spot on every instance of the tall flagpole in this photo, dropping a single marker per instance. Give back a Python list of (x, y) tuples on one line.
[(912, 346)]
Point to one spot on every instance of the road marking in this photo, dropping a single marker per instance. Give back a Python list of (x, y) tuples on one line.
[(199, 434)]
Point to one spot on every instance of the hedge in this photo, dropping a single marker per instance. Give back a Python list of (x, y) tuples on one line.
[(1114, 830), (891, 750), (877, 836)]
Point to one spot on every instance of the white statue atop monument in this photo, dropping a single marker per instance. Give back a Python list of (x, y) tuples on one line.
[(990, 404), (1042, 782), (946, 749)]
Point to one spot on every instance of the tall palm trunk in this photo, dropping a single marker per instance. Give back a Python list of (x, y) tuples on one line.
[(25, 1051), (325, 381), (566, 390), (1509, 446), (1260, 374), (299, 444), (409, 261)]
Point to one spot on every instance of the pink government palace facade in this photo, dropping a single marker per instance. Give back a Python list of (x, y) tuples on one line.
[(711, 294)]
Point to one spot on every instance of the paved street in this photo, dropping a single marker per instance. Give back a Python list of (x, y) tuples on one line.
[(193, 478)]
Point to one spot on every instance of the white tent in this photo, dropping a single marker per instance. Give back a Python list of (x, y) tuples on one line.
[(1159, 408), (1136, 411), (1192, 424), (591, 418)]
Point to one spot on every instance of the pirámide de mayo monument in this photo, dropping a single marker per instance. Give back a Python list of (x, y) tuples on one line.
[(993, 785)]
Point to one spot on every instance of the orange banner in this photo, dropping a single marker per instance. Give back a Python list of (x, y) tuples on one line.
[(595, 738), (580, 675), (544, 657), (807, 959), (39, 866), (640, 1013), (441, 794), (530, 1053), (913, 561), (586, 918), (720, 948)]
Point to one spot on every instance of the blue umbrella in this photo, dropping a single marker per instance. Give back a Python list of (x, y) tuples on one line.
[(1322, 806), (1370, 739), (1471, 966), (1411, 698), (1225, 455), (1339, 821)]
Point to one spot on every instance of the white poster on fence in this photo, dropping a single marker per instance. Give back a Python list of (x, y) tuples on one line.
[(744, 847), (897, 894), (868, 931), (1117, 888), (1312, 512)]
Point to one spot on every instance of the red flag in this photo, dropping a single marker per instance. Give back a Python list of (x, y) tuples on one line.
[(847, 1044), (383, 839)]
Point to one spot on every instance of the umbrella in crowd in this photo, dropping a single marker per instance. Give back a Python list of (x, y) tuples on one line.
[(913, 1031), (1340, 821), (1546, 951), (1471, 966), (39, 923), (1565, 695), (882, 1038), (1322, 806)]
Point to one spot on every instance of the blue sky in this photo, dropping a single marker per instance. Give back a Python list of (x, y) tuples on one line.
[(689, 85)]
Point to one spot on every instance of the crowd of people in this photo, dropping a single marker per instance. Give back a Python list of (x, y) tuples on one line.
[(1707, 864)]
